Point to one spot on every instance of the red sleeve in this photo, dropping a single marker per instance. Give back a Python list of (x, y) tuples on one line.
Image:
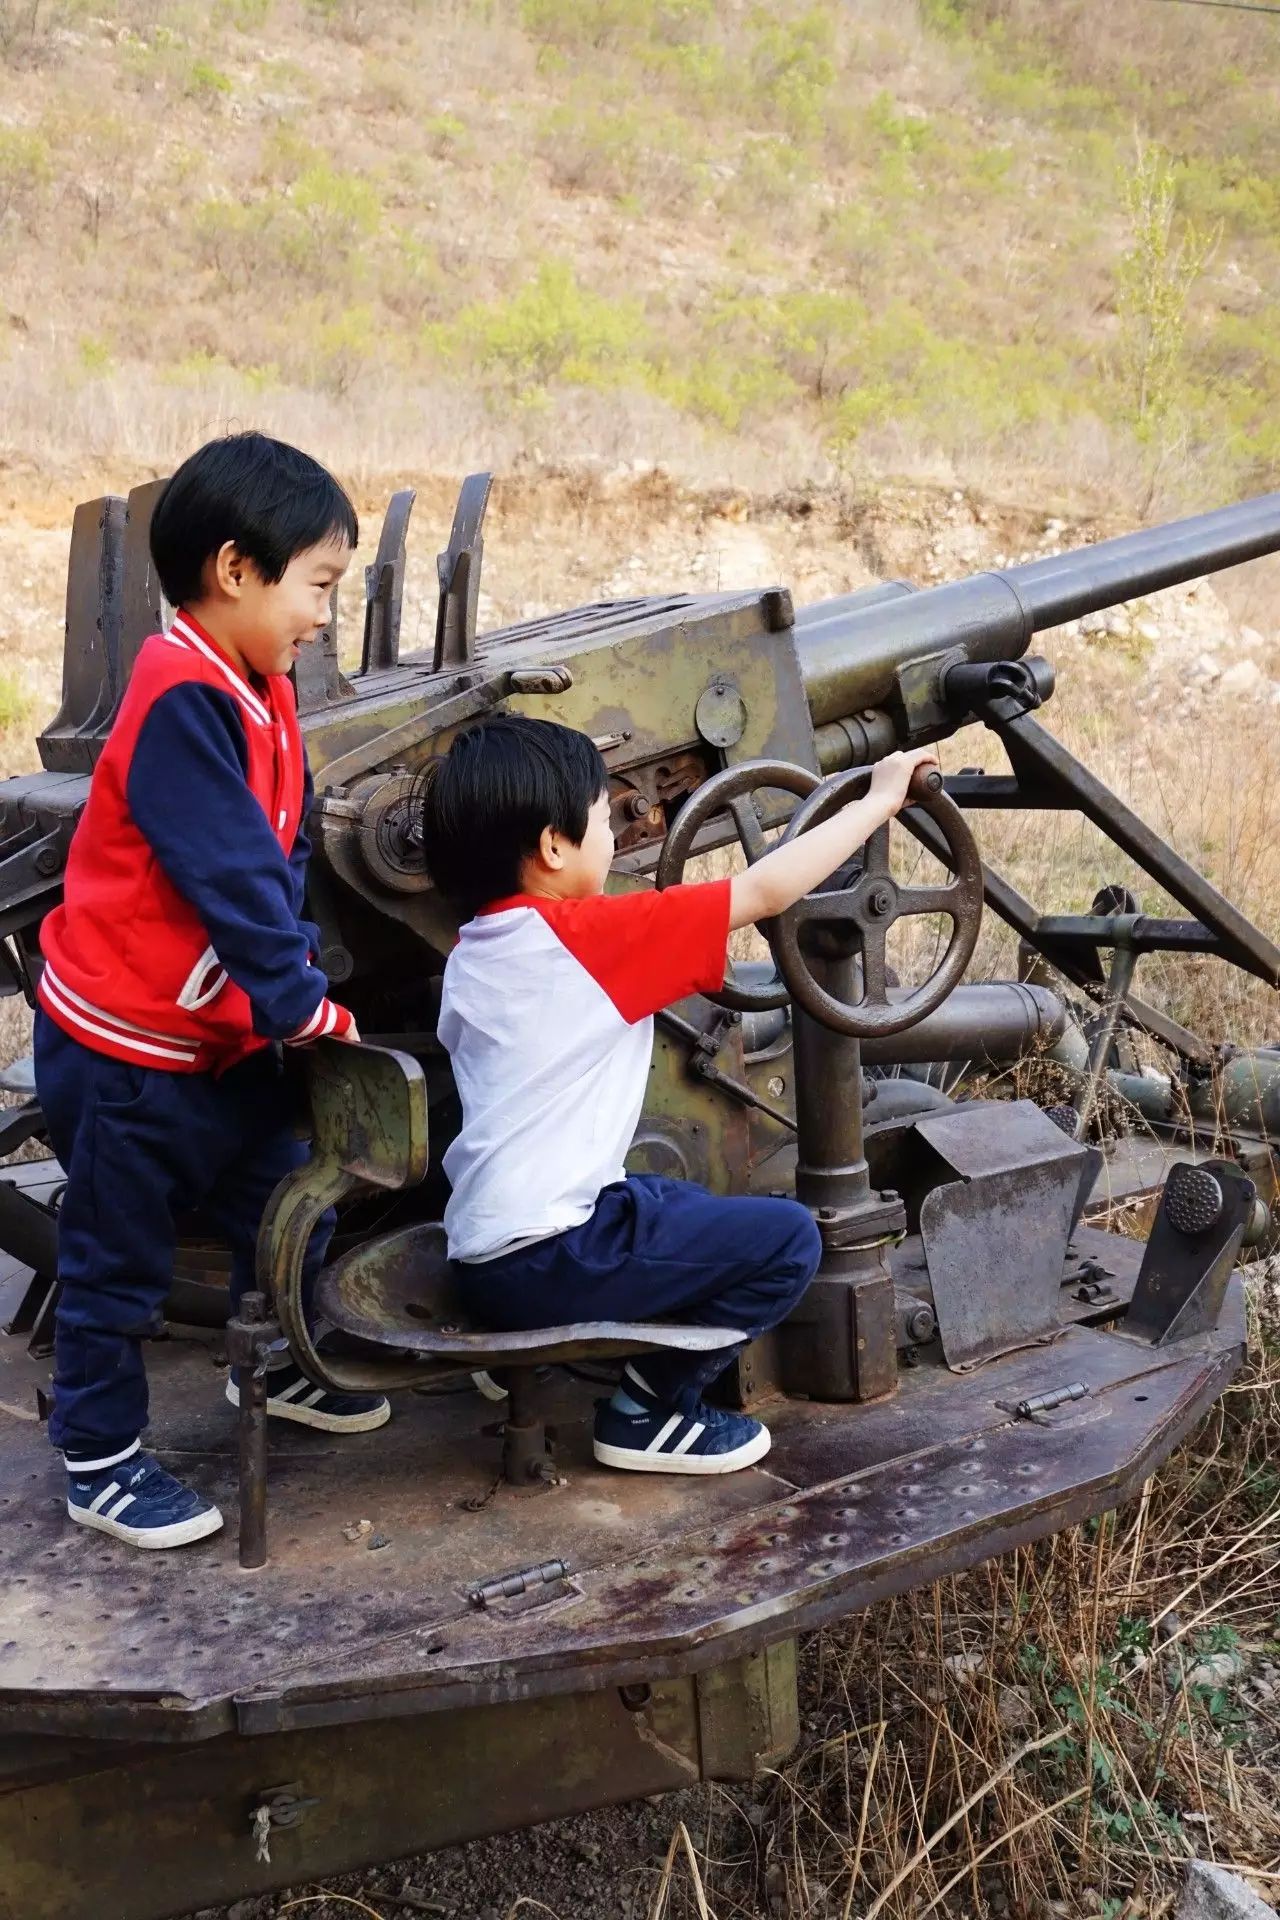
[(647, 949)]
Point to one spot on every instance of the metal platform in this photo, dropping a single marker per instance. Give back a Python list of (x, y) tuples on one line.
[(663, 1575)]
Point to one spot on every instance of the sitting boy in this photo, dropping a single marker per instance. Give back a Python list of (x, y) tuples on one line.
[(179, 956), (547, 1013)]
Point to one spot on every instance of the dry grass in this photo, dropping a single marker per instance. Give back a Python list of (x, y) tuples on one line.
[(1040, 1736), (791, 241)]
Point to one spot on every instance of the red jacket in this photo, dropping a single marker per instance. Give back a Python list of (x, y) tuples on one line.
[(131, 966)]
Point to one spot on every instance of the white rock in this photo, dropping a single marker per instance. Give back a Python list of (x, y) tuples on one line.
[(1211, 1893), (966, 1666), (1147, 630), (1014, 1708), (1244, 679), (1215, 1670), (1205, 667), (1093, 623), (1118, 624), (1250, 637), (1054, 527)]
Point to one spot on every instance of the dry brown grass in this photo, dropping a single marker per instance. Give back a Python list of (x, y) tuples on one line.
[(252, 212), (1033, 1738)]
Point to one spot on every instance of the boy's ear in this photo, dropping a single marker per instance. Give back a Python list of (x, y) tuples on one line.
[(549, 849), (229, 569)]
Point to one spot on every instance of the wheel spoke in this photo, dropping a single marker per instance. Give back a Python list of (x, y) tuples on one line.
[(940, 899), (875, 858), (750, 832), (875, 983), (824, 906)]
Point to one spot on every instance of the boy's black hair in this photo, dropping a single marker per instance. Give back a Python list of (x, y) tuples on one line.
[(486, 802), (270, 499)]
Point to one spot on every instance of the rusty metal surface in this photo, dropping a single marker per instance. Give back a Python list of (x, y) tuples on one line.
[(328, 1800), (996, 1227), (665, 1574)]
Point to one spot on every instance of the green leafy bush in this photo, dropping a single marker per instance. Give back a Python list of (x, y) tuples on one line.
[(551, 330)]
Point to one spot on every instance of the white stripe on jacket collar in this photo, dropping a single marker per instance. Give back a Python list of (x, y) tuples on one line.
[(185, 632)]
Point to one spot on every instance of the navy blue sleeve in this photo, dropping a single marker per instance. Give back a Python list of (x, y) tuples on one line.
[(188, 794), (299, 858)]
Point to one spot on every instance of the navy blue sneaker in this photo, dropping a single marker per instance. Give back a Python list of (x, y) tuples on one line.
[(137, 1501), (293, 1397), (660, 1439)]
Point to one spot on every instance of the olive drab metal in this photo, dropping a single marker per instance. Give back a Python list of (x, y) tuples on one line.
[(461, 1623)]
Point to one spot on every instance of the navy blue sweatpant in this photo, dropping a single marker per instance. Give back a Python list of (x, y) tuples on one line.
[(139, 1146), (658, 1249)]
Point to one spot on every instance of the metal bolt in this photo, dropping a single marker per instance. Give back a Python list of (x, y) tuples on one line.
[(880, 900), (47, 860), (921, 1324), (638, 807)]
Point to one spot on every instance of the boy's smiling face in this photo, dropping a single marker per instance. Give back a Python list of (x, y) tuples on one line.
[(264, 624)]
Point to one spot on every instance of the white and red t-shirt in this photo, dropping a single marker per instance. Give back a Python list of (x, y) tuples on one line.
[(547, 1012)]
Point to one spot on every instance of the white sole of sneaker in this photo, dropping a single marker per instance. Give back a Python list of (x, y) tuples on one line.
[(180, 1534), (633, 1460), (323, 1422), (486, 1384)]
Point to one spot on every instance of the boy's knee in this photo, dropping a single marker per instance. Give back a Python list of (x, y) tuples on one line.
[(800, 1251)]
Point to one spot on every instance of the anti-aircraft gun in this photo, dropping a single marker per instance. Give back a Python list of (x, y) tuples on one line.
[(462, 1623)]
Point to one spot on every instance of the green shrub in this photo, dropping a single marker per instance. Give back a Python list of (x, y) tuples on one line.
[(207, 84), (793, 69), (604, 141), (551, 330), (342, 348), (724, 387), (95, 357), (26, 167), (338, 209), (445, 134)]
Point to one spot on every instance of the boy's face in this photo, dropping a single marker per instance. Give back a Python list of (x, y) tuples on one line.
[(265, 624), (574, 873)]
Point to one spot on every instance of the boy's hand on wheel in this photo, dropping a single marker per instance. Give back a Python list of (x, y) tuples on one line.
[(891, 776), (351, 1037)]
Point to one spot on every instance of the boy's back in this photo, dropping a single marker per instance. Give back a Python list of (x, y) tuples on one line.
[(546, 1013)]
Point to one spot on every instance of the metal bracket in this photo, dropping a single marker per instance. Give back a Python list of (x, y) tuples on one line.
[(996, 1226), (1191, 1254), (459, 570), (384, 587), (277, 1808)]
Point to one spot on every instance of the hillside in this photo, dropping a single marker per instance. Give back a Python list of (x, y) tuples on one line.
[(984, 241)]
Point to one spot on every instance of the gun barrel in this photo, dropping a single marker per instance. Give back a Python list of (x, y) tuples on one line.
[(852, 649)]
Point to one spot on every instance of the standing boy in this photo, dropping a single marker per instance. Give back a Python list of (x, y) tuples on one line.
[(179, 956), (547, 1012)]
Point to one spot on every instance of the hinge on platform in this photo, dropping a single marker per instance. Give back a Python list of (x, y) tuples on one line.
[(507, 1586), (1039, 1404)]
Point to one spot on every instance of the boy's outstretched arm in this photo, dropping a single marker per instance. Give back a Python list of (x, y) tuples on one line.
[(784, 876), (188, 797)]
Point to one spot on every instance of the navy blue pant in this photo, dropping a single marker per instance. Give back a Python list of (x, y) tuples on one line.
[(139, 1146), (658, 1250)]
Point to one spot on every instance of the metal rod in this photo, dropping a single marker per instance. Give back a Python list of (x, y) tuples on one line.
[(1123, 962), (252, 1435), (1026, 740), (831, 1165)]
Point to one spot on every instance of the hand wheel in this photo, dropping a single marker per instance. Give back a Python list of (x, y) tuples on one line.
[(871, 906), (730, 793)]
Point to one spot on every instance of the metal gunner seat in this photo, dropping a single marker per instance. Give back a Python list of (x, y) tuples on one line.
[(389, 1314)]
